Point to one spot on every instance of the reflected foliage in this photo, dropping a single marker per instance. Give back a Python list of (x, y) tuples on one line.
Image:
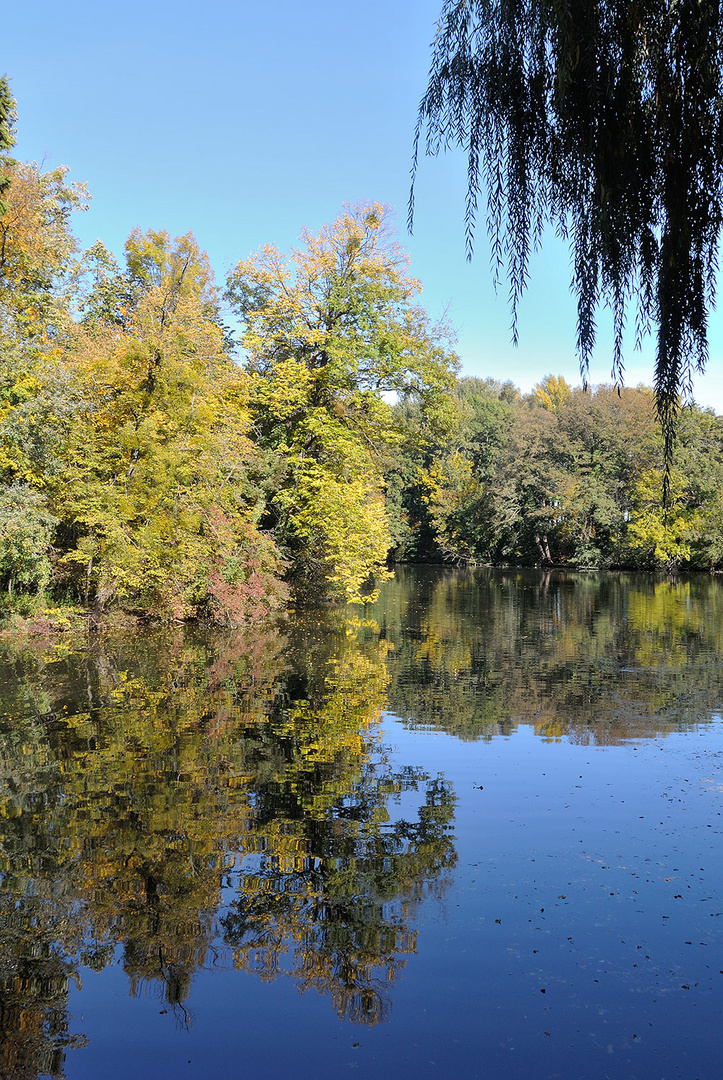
[(340, 906), (599, 658), (180, 800), (174, 801)]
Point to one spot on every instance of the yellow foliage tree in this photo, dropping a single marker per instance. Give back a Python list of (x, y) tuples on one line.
[(329, 330), (37, 249), (552, 392), (156, 500)]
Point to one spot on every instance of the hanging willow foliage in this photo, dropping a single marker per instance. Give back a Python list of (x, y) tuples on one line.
[(603, 119)]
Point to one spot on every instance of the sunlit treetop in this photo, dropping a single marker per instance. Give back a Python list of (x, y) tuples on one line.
[(603, 120)]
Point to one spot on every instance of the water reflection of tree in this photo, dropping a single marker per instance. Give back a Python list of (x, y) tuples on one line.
[(175, 798), (336, 914), (34, 988), (595, 657)]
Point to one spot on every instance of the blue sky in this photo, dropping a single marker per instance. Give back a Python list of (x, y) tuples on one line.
[(244, 122)]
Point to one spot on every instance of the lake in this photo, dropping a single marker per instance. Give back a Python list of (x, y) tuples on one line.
[(473, 830)]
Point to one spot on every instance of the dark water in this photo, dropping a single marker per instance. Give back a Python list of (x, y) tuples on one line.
[(472, 832)]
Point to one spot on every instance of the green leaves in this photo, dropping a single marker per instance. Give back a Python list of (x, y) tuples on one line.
[(26, 528), (7, 134), (561, 476)]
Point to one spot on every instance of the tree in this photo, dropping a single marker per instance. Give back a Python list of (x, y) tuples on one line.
[(552, 392), (329, 330), (605, 121), (158, 496), (688, 532), (7, 137), (443, 473), (26, 528), (37, 250)]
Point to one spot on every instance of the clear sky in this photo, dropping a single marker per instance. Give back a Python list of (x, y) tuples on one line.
[(244, 122)]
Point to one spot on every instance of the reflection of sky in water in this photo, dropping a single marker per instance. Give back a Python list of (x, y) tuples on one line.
[(581, 936)]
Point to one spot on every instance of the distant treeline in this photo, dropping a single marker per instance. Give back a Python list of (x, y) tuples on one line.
[(560, 476), (172, 448)]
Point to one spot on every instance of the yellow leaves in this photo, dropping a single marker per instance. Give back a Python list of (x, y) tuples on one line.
[(173, 269), (450, 489), (37, 245), (328, 328), (25, 386), (295, 301), (552, 392), (359, 240), (160, 452), (665, 534), (285, 391), (344, 525)]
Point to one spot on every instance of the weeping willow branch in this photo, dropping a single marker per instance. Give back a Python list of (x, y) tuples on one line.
[(604, 120)]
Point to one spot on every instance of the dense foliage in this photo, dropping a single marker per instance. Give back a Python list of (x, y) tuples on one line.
[(147, 463), (558, 476), (329, 330), (157, 460)]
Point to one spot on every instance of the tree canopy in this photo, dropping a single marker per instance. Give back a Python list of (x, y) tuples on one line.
[(604, 121), (329, 329), (560, 476), (148, 466)]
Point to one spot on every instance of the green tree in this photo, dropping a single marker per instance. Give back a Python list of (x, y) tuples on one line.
[(689, 531), (446, 462), (604, 121), (548, 478), (7, 135), (26, 529)]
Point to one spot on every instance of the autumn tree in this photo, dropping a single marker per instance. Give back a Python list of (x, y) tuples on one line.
[(552, 392), (37, 262), (688, 532), (111, 292), (547, 478), (330, 330), (38, 252), (441, 475), (157, 500)]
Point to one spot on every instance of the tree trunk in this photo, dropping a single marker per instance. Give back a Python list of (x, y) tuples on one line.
[(543, 547)]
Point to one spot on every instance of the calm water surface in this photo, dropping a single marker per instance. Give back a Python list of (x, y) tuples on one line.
[(474, 831)]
